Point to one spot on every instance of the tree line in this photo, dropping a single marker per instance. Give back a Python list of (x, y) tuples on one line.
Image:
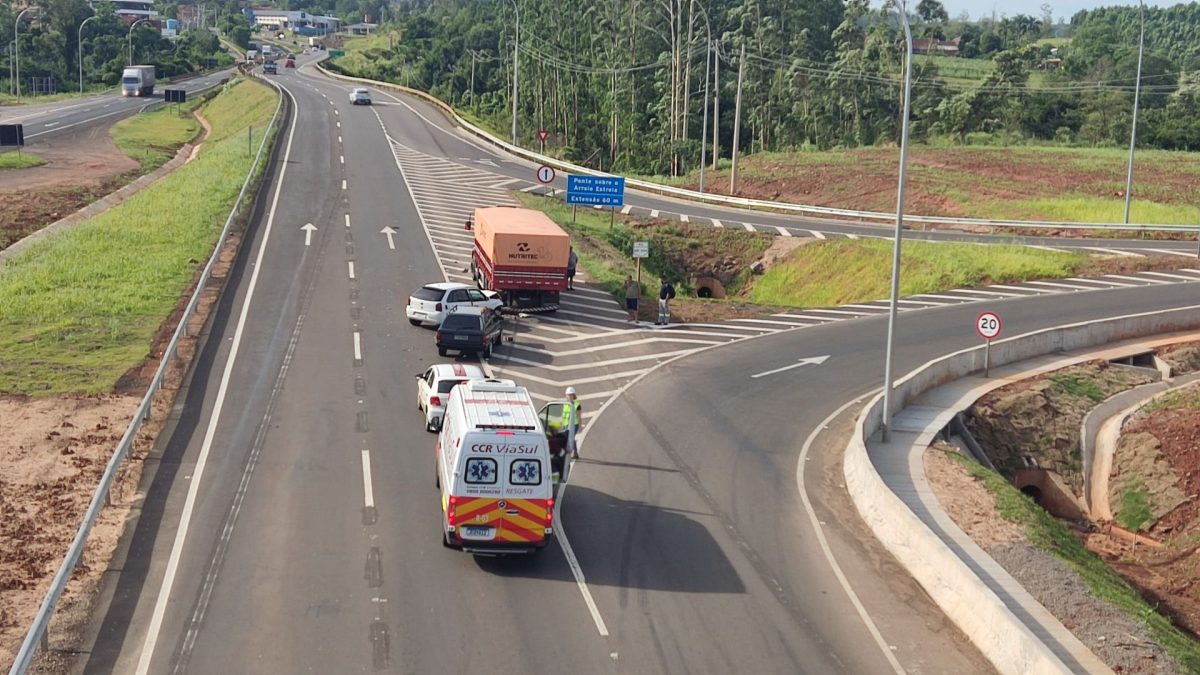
[(49, 45), (620, 84)]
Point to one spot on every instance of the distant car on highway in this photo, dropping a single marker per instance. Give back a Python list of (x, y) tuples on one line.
[(290, 63), (470, 330), (434, 385), (360, 96), (429, 304), (269, 68)]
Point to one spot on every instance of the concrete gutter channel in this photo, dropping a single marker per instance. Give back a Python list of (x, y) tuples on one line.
[(887, 481)]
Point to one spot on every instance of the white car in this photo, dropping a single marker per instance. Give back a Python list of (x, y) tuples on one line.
[(429, 304), (360, 96), (434, 385)]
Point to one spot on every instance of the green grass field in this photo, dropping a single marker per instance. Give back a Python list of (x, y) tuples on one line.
[(1055, 538), (79, 309), (827, 273), (152, 138), (19, 160)]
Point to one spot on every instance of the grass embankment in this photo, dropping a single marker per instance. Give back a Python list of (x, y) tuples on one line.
[(820, 274), (827, 273), (153, 138), (679, 251), (19, 160), (1055, 538), (80, 308)]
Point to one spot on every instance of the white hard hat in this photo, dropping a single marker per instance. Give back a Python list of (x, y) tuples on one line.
[(570, 391)]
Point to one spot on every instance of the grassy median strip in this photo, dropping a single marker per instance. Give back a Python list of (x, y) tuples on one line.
[(153, 137), (19, 160), (79, 309), (827, 273), (1055, 538)]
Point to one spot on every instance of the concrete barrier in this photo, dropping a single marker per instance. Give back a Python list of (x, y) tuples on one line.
[(968, 601)]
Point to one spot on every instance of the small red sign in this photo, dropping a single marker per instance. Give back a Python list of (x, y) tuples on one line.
[(543, 135)]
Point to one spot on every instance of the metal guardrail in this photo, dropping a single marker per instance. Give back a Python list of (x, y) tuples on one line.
[(38, 632), (722, 200)]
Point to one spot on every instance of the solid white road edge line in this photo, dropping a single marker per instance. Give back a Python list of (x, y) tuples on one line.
[(573, 563), (816, 526), (185, 518), (368, 492)]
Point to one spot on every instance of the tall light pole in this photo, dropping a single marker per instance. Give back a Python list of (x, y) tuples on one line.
[(1137, 90), (704, 126), (81, 51), (891, 333), (17, 52), (131, 27), (516, 59)]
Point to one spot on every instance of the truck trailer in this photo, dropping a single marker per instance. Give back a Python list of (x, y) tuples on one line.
[(522, 255), (137, 81)]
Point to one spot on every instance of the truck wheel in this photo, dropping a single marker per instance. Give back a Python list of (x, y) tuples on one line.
[(441, 351)]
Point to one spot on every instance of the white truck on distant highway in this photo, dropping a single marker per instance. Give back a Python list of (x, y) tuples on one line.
[(137, 81), (252, 56)]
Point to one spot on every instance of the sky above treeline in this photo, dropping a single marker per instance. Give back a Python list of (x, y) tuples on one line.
[(1064, 9)]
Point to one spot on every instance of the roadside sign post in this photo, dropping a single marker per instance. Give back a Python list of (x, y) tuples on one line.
[(545, 176), (641, 249), (988, 325), (542, 135), (12, 135), (596, 191)]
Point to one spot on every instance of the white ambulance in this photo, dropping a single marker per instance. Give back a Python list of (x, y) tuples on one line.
[(494, 470)]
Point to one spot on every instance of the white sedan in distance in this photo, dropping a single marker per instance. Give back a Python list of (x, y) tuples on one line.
[(434, 385), (429, 304), (360, 96)]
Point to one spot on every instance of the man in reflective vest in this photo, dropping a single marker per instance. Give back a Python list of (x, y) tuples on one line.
[(570, 420)]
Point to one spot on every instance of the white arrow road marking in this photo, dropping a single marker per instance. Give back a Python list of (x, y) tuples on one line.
[(814, 360), (308, 230), (390, 233)]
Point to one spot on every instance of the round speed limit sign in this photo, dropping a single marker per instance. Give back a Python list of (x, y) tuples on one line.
[(545, 174), (988, 325)]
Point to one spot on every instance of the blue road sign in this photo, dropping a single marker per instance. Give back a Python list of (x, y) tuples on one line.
[(596, 190)]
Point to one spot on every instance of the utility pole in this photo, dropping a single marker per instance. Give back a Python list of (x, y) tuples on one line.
[(716, 107), (1137, 90), (516, 59), (704, 124), (737, 120)]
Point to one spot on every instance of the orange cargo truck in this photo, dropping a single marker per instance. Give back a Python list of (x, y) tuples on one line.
[(522, 255)]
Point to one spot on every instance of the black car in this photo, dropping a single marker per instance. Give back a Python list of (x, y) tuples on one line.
[(470, 329)]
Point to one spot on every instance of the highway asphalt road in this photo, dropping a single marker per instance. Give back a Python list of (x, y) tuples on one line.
[(45, 120), (290, 524)]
